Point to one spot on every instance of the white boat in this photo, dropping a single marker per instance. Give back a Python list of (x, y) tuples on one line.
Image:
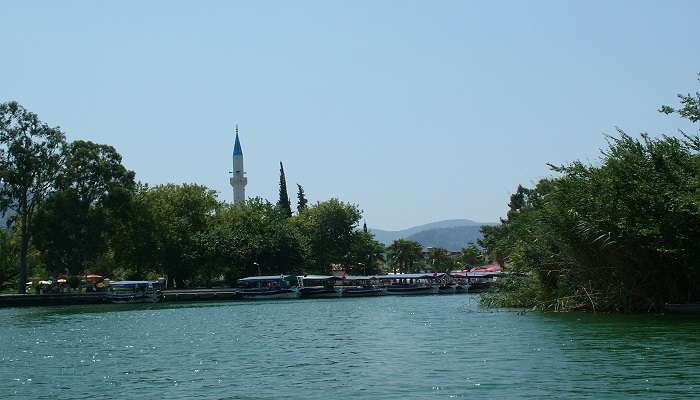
[(270, 287), (123, 292)]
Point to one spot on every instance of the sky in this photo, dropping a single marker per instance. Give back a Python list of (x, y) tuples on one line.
[(415, 111)]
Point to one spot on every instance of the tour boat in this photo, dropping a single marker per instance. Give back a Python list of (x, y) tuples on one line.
[(360, 286), (319, 286), (411, 284), (270, 287), (122, 292), (447, 288)]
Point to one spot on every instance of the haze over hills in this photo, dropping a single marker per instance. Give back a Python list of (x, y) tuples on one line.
[(452, 234)]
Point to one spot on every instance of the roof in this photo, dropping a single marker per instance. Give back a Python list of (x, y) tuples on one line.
[(237, 151), (426, 275), (487, 268), (321, 277), (264, 278)]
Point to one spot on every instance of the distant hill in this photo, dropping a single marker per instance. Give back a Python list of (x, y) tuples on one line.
[(452, 239), (451, 234)]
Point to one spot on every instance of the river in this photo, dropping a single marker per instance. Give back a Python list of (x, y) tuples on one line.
[(355, 348)]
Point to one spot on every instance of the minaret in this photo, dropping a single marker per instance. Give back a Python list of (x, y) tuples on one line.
[(238, 180)]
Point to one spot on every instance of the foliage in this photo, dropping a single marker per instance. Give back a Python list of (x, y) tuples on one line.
[(331, 229), (622, 235), (366, 255), (471, 256), (405, 256), (180, 213), (283, 202), (8, 256), (30, 158), (439, 259), (302, 203), (73, 226)]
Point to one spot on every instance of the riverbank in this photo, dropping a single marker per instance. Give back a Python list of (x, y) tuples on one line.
[(63, 299)]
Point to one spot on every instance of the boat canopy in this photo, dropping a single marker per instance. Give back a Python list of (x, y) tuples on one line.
[(268, 278), (322, 278), (427, 275), (358, 278)]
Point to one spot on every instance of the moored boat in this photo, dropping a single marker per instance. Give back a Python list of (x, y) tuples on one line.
[(360, 286), (411, 284), (447, 288), (123, 292), (319, 286), (270, 287)]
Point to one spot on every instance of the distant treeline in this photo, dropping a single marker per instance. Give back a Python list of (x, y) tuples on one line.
[(620, 235), (74, 208)]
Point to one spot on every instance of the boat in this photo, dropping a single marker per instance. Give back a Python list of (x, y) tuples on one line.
[(447, 288), (270, 287), (411, 284), (360, 286), (124, 292), (686, 309), (319, 286)]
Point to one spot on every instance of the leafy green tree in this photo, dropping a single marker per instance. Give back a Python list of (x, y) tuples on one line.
[(471, 256), (405, 256), (439, 259), (283, 202), (366, 255), (331, 228), (252, 238), (73, 226), (30, 157), (8, 256), (301, 199), (135, 243), (180, 213), (689, 107)]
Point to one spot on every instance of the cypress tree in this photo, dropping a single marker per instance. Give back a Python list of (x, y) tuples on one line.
[(284, 198), (301, 199)]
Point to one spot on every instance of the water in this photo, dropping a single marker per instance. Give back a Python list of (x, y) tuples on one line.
[(373, 348)]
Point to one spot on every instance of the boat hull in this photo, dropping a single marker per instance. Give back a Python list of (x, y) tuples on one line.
[(318, 293), (447, 289), (362, 292), (132, 299), (411, 290), (269, 294)]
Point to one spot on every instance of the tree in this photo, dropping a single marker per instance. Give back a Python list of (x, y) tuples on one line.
[(252, 238), (689, 109), (471, 256), (73, 226), (331, 227), (405, 255), (8, 256), (180, 212), (301, 199), (366, 255), (30, 158), (439, 259), (283, 202)]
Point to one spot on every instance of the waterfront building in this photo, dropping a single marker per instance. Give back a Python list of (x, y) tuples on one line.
[(238, 179)]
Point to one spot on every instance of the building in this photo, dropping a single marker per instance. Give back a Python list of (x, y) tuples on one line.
[(238, 179)]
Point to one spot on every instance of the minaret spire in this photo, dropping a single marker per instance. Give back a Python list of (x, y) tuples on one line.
[(238, 180)]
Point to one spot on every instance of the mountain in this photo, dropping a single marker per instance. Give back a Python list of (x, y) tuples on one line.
[(453, 239), (452, 234)]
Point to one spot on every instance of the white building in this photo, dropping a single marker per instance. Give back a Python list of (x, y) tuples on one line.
[(238, 179)]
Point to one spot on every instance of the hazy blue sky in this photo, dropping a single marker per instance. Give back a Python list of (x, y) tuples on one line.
[(417, 111)]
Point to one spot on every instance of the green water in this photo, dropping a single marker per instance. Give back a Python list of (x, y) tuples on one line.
[(372, 348)]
